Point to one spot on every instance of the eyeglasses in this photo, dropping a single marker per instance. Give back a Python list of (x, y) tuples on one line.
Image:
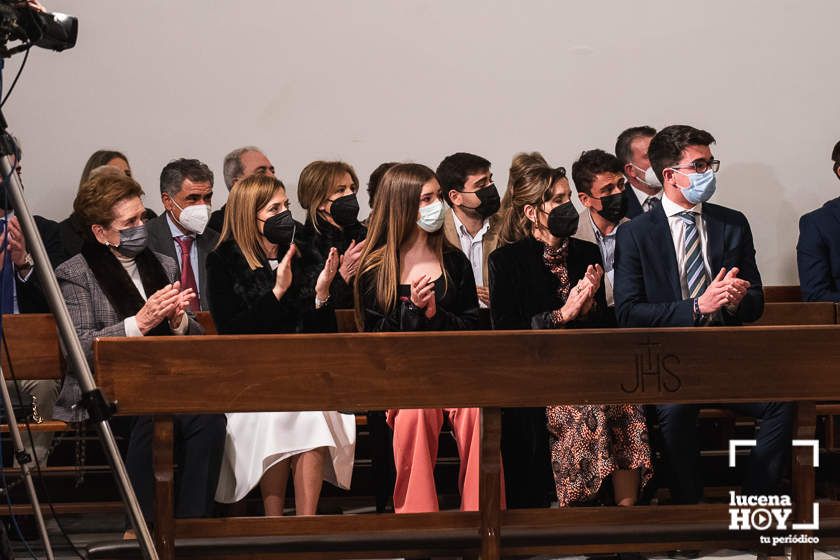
[(701, 166)]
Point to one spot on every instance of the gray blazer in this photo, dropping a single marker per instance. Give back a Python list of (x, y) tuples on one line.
[(160, 241), (94, 317)]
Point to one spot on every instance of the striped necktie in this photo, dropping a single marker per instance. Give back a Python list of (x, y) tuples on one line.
[(651, 203), (695, 271)]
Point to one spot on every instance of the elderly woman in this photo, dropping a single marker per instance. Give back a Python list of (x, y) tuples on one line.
[(117, 286)]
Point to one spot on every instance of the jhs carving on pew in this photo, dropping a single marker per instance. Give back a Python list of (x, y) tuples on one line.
[(652, 365)]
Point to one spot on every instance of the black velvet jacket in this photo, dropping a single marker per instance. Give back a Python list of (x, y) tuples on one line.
[(455, 297), (242, 301), (341, 293), (523, 291)]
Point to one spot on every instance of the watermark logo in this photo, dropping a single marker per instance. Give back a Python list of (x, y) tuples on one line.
[(748, 512)]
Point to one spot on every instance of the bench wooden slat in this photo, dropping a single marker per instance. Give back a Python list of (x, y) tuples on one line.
[(169, 375), (782, 294), (46, 426), (33, 346), (818, 313)]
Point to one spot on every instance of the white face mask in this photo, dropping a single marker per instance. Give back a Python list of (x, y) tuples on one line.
[(650, 179), (431, 217), (194, 218)]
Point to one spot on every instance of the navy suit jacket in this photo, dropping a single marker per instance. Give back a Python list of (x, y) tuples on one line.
[(818, 253), (633, 207), (647, 284)]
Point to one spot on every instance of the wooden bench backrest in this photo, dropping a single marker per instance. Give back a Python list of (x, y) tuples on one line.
[(170, 375), (798, 313), (776, 294), (33, 347)]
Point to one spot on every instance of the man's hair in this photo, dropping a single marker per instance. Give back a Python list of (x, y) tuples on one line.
[(835, 156), (232, 167), (624, 143), (376, 178), (454, 170), (667, 146), (176, 171), (591, 163)]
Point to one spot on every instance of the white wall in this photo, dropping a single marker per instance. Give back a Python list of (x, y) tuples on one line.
[(376, 80)]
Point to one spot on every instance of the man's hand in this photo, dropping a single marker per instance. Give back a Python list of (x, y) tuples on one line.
[(483, 295)]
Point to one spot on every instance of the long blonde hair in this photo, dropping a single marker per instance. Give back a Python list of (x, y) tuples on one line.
[(530, 182), (392, 222), (244, 202), (315, 183)]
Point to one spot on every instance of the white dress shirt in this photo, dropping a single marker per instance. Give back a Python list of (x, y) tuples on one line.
[(677, 226), (643, 196), (473, 248), (193, 250)]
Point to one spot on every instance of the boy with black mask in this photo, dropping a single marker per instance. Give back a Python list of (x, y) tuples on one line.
[(471, 225)]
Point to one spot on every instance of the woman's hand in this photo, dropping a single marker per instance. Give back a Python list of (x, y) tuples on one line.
[(594, 275), (325, 279), (185, 298), (283, 278), (577, 300), (423, 295), (350, 260), (160, 306)]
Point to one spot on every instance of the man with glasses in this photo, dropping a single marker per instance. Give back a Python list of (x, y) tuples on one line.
[(818, 249), (471, 225), (601, 185), (691, 263)]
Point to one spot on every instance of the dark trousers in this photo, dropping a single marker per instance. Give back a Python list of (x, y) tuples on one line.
[(678, 426), (199, 446), (526, 456)]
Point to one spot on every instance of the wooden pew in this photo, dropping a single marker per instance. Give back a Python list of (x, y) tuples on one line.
[(212, 374), (778, 294)]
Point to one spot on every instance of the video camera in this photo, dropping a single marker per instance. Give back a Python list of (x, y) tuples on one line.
[(29, 23)]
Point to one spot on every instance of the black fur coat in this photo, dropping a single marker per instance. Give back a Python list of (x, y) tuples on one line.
[(242, 301)]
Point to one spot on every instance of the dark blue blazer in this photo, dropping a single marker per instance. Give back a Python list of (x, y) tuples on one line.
[(818, 253), (647, 283), (633, 207)]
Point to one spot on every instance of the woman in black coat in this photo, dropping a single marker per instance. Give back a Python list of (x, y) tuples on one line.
[(543, 278), (261, 282), (327, 191)]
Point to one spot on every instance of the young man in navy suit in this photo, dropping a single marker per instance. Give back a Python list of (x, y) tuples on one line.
[(690, 263), (818, 249)]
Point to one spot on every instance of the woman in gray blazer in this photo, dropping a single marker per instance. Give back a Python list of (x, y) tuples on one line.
[(117, 286)]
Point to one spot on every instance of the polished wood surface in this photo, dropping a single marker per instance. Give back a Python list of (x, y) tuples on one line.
[(782, 293), (33, 346), (820, 313), (376, 371), (163, 464)]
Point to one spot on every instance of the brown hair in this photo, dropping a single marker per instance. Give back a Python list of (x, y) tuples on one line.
[(530, 182), (315, 183), (244, 202), (392, 222), (96, 198), (98, 159)]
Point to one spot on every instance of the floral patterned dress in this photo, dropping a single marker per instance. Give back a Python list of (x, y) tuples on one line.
[(590, 442)]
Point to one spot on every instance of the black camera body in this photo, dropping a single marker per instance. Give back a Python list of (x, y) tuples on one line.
[(33, 27)]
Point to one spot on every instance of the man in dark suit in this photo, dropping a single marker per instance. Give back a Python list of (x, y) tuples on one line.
[(186, 189), (818, 249), (20, 292), (645, 190), (239, 163), (690, 263)]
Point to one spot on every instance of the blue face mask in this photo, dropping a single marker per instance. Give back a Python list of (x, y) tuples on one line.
[(701, 187), (431, 217)]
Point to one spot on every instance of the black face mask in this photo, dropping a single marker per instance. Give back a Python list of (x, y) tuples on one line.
[(280, 228), (563, 220), (345, 210), (613, 207), (489, 201)]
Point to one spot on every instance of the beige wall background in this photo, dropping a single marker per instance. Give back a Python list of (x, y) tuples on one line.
[(369, 81)]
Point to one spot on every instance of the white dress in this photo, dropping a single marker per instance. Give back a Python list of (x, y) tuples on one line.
[(258, 440)]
